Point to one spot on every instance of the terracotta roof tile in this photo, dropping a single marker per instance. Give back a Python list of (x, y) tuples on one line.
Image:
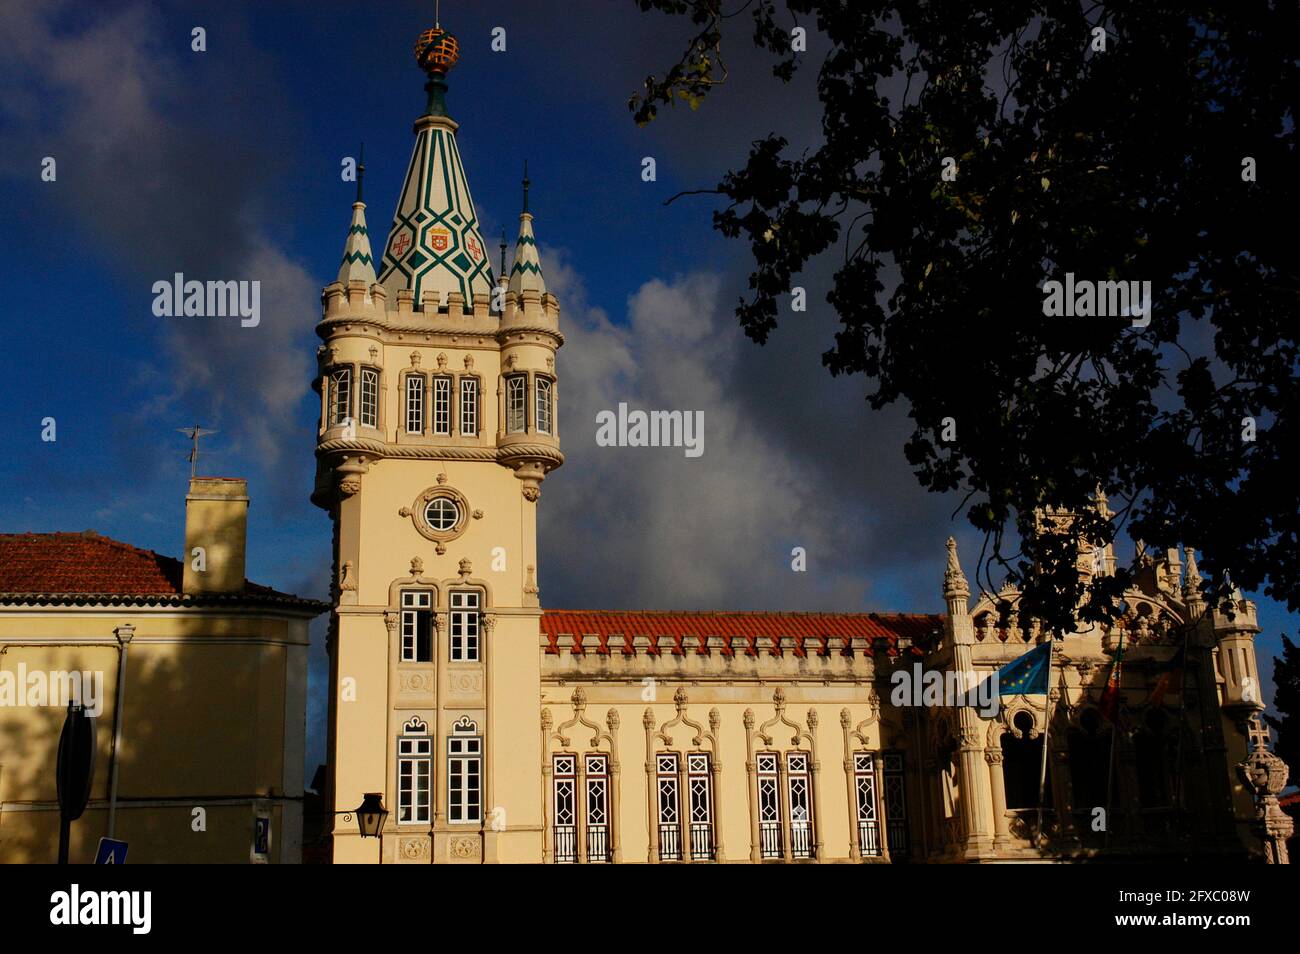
[(603, 631), (89, 564)]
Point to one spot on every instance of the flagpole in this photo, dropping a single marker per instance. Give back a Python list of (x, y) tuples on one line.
[(1179, 727), (1042, 771), (1110, 769)]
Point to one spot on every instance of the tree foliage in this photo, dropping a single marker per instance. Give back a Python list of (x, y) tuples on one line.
[(1286, 676), (1123, 163)]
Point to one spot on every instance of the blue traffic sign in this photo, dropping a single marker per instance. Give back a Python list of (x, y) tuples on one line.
[(111, 852)]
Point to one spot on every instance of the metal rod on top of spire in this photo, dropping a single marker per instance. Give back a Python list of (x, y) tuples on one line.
[(361, 171), (503, 251), (527, 183)]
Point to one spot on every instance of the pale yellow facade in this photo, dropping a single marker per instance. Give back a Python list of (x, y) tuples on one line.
[(559, 739), (211, 734)]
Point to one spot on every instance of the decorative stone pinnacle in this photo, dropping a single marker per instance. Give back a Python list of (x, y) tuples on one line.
[(1192, 581), (955, 586)]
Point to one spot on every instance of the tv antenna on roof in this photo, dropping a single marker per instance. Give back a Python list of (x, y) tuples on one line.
[(194, 433)]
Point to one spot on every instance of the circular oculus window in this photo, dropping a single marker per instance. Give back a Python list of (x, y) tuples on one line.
[(442, 514), (439, 513)]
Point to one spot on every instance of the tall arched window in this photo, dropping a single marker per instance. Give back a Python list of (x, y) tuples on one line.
[(340, 396), (1022, 761), (415, 404)]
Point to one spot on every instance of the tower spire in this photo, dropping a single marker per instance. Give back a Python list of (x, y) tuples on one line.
[(358, 262), (434, 245), (526, 273)]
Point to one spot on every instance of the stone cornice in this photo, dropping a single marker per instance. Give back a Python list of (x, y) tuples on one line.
[(381, 449)]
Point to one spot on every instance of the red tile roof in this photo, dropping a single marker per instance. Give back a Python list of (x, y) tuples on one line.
[(58, 567), (605, 631)]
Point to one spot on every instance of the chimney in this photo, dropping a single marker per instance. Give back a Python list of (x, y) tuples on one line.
[(216, 535)]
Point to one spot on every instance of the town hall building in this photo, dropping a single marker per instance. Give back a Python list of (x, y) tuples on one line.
[(494, 730)]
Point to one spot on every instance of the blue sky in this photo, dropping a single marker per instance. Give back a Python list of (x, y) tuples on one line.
[(225, 164)]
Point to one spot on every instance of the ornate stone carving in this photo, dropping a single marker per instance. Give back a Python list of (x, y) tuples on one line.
[(413, 849), (465, 682), (415, 359), (442, 361), (349, 485), (417, 566), (347, 579), (469, 362), (463, 848), (415, 682)]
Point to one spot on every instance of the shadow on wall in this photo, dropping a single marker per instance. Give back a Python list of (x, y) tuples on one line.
[(202, 738)]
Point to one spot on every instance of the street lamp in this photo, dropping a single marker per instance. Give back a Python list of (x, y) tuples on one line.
[(371, 815)]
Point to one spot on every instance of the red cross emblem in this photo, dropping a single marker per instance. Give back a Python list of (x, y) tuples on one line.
[(401, 244), (474, 248)]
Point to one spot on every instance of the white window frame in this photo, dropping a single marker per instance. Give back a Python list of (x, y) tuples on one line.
[(340, 396), (799, 793), (699, 802), (414, 779), (442, 404), (668, 805), (369, 397), (564, 785), (595, 808), (465, 623), (464, 764), (469, 407), (770, 822), (413, 603), (414, 403), (544, 404), (439, 505), (516, 404), (866, 802)]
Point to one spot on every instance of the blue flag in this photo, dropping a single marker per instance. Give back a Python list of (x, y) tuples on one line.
[(1027, 675)]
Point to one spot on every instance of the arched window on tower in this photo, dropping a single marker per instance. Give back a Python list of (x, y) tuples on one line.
[(543, 410), (442, 404), (340, 396), (516, 403), (369, 397), (469, 406), (414, 404)]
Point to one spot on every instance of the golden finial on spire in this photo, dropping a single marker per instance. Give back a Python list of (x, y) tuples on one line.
[(436, 51)]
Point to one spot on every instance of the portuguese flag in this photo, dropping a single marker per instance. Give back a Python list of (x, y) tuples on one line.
[(1108, 706), (1169, 680)]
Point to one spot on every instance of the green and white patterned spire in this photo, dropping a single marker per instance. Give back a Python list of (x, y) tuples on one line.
[(526, 273), (434, 244), (357, 261)]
